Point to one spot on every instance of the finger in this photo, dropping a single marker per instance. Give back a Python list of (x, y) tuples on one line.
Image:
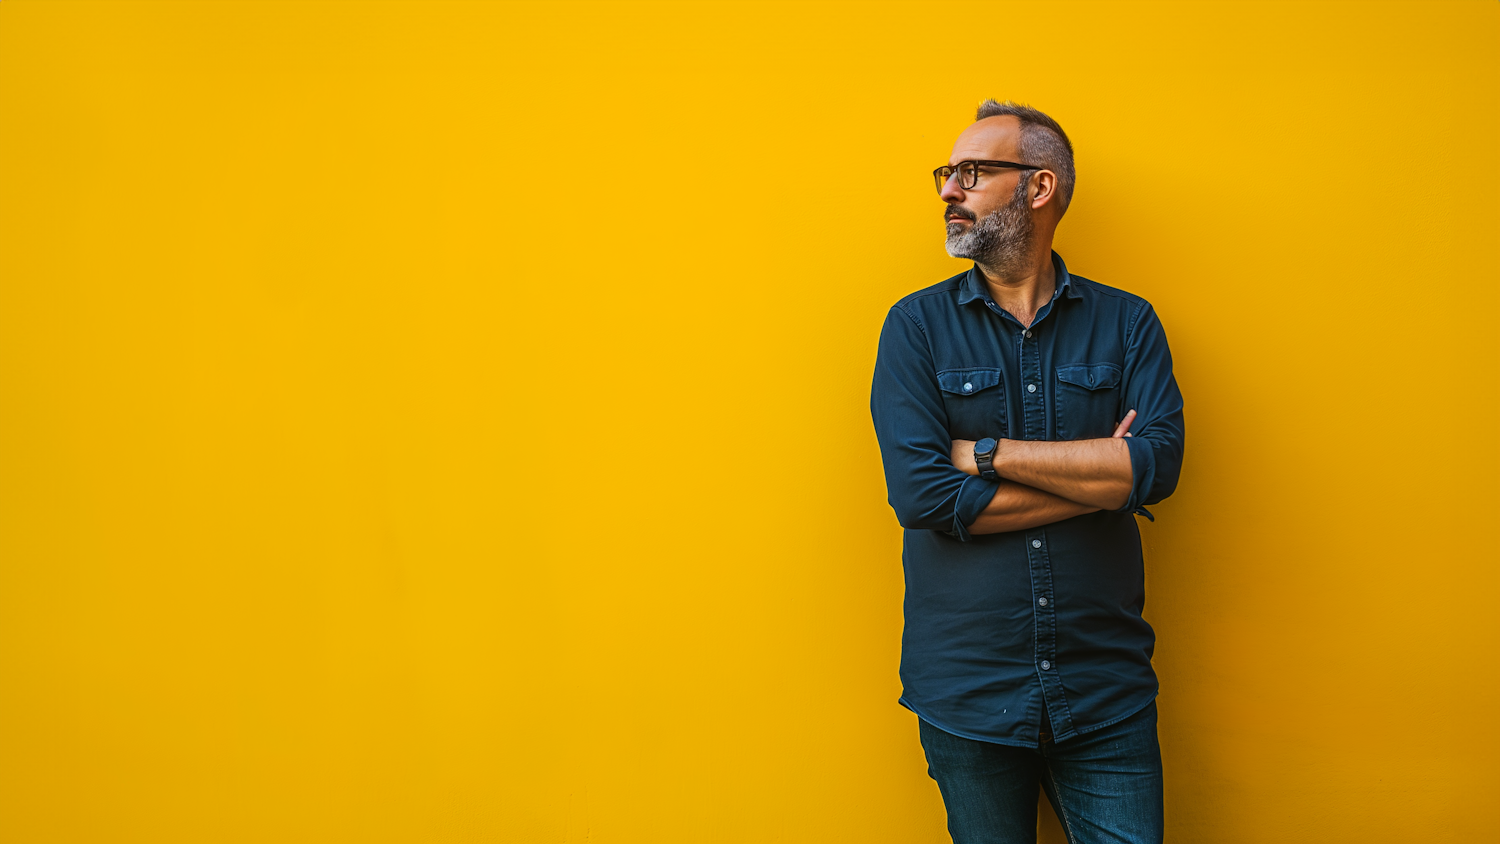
[(1124, 425)]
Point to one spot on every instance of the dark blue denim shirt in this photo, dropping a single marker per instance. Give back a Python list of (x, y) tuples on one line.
[(1001, 626)]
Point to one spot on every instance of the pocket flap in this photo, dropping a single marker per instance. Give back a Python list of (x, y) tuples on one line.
[(1090, 376), (967, 382)]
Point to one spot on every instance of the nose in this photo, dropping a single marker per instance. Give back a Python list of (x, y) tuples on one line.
[(951, 192)]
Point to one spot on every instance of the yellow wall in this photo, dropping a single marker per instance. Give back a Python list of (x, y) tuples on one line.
[(448, 423)]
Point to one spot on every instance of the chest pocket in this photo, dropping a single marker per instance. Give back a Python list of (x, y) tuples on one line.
[(974, 401), (1087, 400)]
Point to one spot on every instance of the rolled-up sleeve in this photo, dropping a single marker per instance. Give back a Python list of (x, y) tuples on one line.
[(922, 485), (1156, 439)]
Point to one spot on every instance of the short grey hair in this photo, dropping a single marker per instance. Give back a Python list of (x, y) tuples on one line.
[(1043, 142)]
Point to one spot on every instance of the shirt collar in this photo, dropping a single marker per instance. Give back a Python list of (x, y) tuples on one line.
[(973, 287)]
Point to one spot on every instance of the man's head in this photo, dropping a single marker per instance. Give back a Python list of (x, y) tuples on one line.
[(997, 221)]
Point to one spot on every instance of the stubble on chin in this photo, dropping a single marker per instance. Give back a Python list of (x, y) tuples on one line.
[(956, 246), (964, 240), (1000, 240)]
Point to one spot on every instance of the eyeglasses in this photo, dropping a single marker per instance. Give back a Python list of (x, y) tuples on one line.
[(968, 172)]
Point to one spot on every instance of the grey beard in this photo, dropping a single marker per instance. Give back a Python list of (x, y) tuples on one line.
[(1001, 241)]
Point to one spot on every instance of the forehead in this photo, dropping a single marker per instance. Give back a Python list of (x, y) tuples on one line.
[(993, 137)]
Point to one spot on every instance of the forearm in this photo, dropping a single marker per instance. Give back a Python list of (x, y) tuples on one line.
[(1019, 507), (1096, 473)]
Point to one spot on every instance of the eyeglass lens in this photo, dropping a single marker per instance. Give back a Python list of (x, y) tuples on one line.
[(968, 175)]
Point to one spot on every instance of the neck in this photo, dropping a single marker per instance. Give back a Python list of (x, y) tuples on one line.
[(1023, 288)]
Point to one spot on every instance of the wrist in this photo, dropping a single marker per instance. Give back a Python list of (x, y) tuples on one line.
[(964, 462), (1003, 450)]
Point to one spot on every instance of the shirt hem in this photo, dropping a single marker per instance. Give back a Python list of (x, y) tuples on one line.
[(963, 734), (1017, 743), (1111, 722)]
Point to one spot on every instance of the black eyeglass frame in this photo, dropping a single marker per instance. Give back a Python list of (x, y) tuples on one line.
[(944, 173)]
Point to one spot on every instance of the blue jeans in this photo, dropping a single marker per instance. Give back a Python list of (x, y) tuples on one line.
[(1106, 786)]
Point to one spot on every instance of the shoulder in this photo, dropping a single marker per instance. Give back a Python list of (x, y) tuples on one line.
[(1105, 299), (1104, 294), (944, 294)]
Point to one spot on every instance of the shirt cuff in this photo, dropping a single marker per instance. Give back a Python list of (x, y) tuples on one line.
[(973, 496), (1142, 473)]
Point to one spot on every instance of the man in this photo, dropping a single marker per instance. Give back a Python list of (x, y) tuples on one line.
[(1025, 415)]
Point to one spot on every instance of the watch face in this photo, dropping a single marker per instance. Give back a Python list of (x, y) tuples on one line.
[(984, 446)]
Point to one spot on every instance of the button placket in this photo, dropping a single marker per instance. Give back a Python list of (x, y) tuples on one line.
[(1045, 615), (1033, 408)]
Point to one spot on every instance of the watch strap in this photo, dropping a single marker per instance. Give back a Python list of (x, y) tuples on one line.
[(985, 460)]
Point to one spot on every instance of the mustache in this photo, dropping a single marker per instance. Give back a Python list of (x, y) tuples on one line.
[(958, 211)]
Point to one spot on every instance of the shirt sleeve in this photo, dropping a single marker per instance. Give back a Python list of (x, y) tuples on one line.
[(924, 488), (1156, 438)]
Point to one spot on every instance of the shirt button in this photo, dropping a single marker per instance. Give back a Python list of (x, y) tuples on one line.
[(1036, 543), (1042, 601), (1028, 334), (1030, 388), (1046, 665), (968, 386)]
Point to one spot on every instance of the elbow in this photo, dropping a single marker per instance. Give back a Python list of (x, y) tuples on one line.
[(1155, 463), (948, 507), (1165, 481), (912, 516), (1160, 492)]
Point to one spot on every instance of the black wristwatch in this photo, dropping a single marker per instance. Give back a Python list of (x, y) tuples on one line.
[(984, 458)]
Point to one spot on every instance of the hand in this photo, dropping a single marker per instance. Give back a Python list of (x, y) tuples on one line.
[(1124, 426)]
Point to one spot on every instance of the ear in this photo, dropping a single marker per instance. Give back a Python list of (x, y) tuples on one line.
[(1043, 189)]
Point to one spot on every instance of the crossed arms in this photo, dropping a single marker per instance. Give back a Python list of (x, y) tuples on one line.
[(1047, 482), (932, 483)]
